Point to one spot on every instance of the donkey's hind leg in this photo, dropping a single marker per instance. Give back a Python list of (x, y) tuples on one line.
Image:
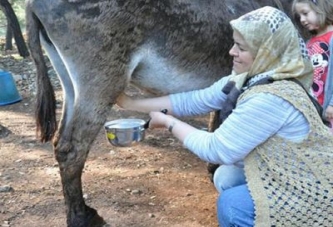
[(71, 150)]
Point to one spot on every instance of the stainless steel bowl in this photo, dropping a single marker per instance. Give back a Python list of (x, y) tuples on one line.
[(125, 132)]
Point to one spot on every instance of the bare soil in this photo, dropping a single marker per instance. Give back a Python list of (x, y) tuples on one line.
[(156, 183)]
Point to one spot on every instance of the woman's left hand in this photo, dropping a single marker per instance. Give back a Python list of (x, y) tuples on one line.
[(329, 112), (178, 128)]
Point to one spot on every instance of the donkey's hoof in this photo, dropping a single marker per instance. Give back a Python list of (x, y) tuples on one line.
[(95, 220)]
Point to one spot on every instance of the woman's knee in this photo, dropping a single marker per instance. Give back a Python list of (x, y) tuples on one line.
[(235, 207), (227, 176), (224, 210)]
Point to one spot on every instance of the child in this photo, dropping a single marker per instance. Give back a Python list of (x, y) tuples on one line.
[(317, 17)]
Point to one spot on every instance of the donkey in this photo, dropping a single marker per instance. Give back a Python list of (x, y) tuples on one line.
[(98, 47)]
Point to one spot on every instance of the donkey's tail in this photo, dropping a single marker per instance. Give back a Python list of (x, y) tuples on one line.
[(45, 111)]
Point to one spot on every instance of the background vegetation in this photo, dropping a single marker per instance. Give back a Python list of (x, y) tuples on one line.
[(18, 7)]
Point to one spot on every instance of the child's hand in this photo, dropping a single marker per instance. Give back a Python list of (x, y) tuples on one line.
[(329, 112)]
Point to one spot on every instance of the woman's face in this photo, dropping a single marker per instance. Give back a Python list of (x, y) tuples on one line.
[(240, 51)]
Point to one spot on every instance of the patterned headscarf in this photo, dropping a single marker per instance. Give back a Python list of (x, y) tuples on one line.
[(279, 50)]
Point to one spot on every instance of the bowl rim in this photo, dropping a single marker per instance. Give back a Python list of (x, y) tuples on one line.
[(138, 121)]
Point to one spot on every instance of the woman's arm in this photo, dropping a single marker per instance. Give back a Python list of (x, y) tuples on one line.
[(182, 104), (251, 123), (177, 127), (145, 105)]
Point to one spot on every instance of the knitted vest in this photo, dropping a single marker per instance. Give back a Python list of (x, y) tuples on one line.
[(291, 183)]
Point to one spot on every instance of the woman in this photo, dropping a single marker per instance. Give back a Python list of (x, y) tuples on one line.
[(272, 142)]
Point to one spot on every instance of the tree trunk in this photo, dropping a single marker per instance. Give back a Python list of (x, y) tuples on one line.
[(9, 38), (15, 27)]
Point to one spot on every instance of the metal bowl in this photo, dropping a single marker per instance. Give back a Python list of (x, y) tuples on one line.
[(125, 132)]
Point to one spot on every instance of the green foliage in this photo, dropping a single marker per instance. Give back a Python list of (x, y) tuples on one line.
[(18, 7)]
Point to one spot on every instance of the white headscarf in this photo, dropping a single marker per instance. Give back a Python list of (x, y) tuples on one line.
[(276, 45)]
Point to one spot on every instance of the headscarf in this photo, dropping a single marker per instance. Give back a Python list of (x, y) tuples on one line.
[(276, 44), (280, 53)]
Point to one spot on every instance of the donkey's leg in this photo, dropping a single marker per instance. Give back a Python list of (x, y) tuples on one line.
[(71, 150), (214, 123)]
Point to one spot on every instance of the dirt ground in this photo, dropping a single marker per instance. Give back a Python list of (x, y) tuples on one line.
[(156, 183)]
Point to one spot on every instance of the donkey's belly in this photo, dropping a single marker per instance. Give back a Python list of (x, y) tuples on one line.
[(152, 72)]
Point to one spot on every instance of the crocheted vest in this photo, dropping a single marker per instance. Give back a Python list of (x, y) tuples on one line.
[(291, 183)]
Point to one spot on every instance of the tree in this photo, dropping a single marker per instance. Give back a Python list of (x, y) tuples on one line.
[(9, 38), (13, 24)]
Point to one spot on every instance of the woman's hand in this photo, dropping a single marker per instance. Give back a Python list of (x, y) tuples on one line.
[(158, 120), (124, 101), (329, 112), (178, 128)]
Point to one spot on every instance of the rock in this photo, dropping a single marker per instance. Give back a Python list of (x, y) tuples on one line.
[(6, 188), (135, 192), (4, 131), (5, 224), (6, 178)]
